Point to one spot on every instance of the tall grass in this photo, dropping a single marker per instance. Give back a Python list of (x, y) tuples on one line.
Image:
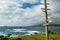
[(33, 37)]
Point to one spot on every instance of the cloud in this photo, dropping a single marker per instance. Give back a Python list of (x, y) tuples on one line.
[(12, 12), (55, 11), (31, 1), (29, 17)]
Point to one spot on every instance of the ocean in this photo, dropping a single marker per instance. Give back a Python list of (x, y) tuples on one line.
[(26, 30)]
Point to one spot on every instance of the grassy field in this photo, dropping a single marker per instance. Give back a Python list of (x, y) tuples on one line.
[(33, 37)]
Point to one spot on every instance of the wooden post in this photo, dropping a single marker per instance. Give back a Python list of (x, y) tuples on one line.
[(46, 21)]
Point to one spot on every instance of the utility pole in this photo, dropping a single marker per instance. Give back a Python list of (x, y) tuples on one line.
[(46, 18), (46, 21)]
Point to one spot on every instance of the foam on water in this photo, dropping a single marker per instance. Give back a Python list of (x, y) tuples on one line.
[(19, 30), (1, 33)]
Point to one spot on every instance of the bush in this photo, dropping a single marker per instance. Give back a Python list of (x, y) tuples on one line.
[(5, 38), (9, 35), (1, 36), (18, 39), (35, 33), (50, 32)]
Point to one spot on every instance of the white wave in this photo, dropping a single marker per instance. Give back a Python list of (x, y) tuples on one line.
[(1, 33), (32, 32), (19, 30)]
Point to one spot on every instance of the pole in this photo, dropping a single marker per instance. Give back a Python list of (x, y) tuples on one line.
[(46, 21)]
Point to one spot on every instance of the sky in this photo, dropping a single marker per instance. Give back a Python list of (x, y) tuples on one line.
[(27, 12)]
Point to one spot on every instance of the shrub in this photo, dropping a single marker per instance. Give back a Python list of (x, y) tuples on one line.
[(5, 38), (35, 33), (50, 32), (9, 35), (1, 36), (18, 39)]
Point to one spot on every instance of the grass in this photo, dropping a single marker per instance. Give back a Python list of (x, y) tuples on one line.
[(34, 37)]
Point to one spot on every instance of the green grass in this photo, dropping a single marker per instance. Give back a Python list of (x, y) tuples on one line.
[(34, 37)]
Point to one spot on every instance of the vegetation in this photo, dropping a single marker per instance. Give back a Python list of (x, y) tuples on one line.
[(1, 36), (50, 32), (33, 37)]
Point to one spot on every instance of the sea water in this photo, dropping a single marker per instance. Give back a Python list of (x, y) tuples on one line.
[(26, 30)]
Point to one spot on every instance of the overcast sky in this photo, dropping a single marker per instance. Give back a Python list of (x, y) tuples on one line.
[(27, 12)]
